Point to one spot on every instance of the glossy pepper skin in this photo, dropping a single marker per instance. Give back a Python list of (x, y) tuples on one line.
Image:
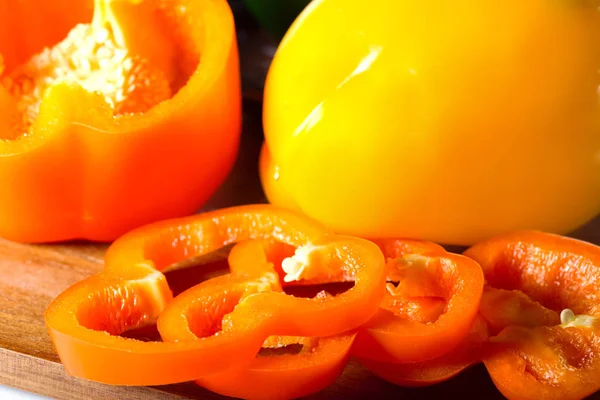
[(542, 303), (85, 321), (446, 122), (82, 174)]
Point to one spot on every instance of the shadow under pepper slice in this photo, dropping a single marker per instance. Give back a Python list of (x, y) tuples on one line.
[(431, 302), (133, 117), (543, 300), (132, 291)]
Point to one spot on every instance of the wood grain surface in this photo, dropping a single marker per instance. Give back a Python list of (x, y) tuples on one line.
[(32, 275)]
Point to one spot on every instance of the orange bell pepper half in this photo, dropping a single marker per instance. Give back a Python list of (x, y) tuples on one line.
[(543, 301), (316, 361), (133, 117), (429, 307), (85, 320), (439, 369)]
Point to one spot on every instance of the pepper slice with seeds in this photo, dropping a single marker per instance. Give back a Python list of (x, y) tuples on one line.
[(543, 301), (133, 117)]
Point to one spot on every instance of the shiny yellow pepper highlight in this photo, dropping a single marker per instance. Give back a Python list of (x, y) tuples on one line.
[(446, 121)]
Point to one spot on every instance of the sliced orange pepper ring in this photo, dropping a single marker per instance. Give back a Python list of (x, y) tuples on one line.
[(429, 307), (285, 315), (277, 315), (543, 300), (132, 291), (439, 369), (315, 363)]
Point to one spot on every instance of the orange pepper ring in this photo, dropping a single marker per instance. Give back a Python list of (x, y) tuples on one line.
[(389, 338), (285, 315), (101, 357), (286, 376)]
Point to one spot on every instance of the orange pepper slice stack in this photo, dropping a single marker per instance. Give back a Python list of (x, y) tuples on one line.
[(542, 301), (221, 324)]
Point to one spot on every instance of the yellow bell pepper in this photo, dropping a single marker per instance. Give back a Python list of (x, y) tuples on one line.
[(445, 121)]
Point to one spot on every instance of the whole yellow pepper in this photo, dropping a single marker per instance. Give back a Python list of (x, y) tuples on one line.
[(449, 121)]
